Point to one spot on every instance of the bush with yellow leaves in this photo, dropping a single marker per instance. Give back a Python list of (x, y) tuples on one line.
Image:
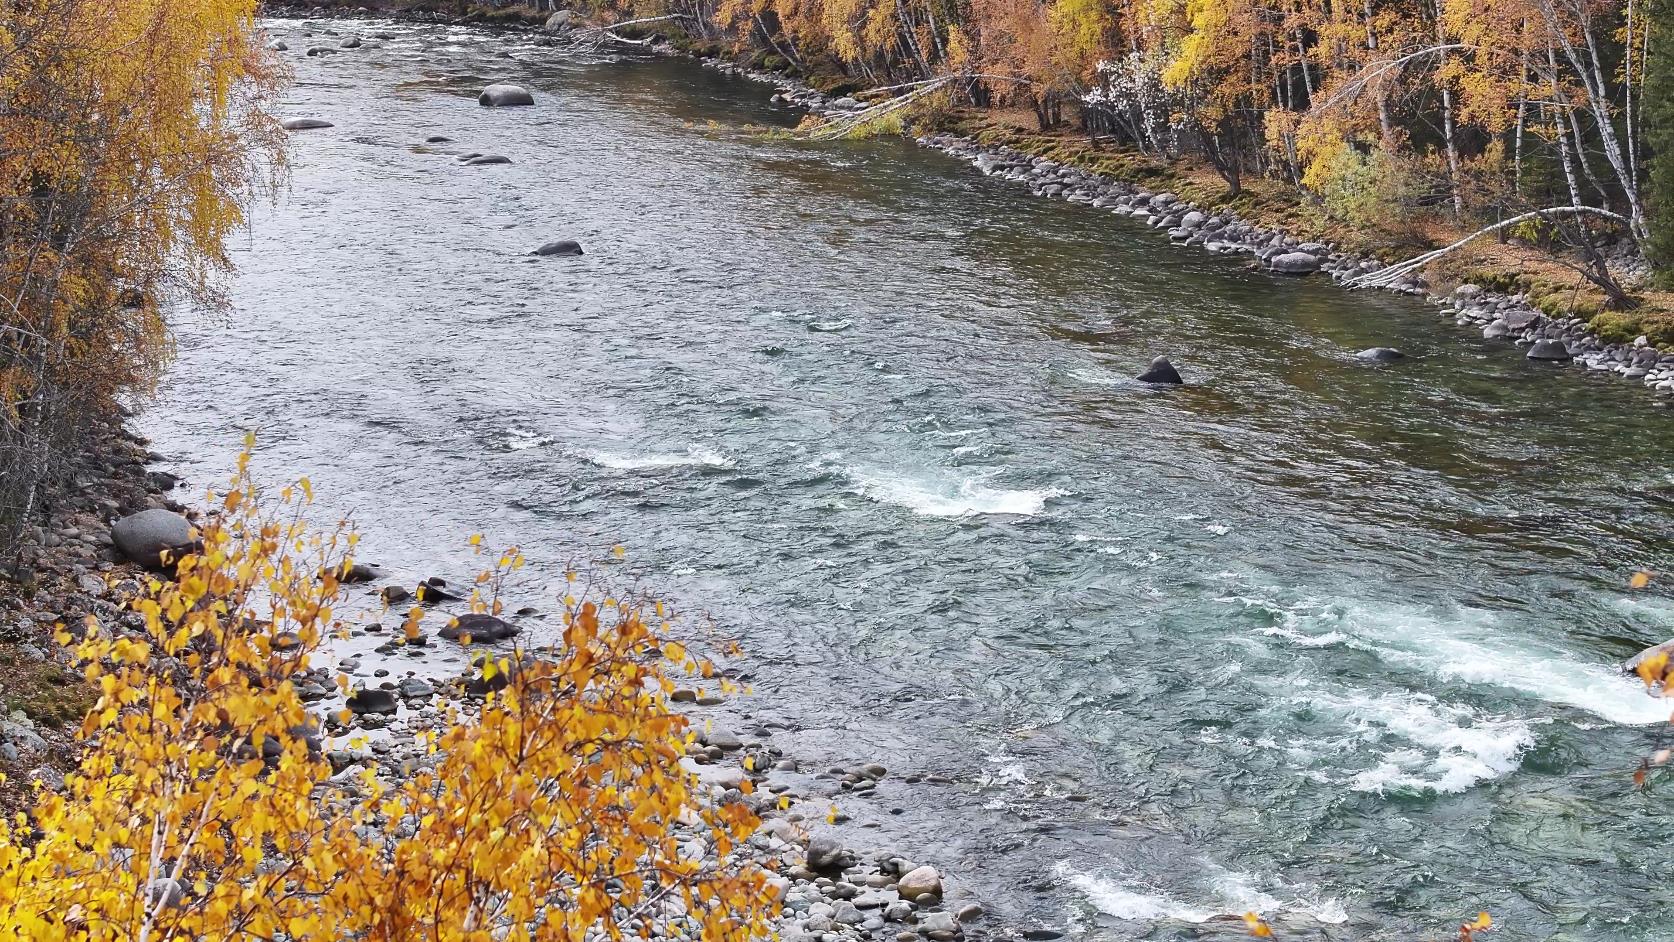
[(203, 809)]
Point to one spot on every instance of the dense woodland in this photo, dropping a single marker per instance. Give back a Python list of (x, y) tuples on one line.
[(1468, 111)]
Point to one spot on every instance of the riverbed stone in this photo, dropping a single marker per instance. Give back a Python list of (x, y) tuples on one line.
[(560, 22), (479, 627), (371, 700), (1294, 263), (1161, 372), (920, 881), (824, 853), (1549, 349), (1496, 330), (305, 124), (1381, 355), (486, 160), (505, 96), (144, 537), (562, 247)]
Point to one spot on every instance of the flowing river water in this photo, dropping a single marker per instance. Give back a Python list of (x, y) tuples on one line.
[(1332, 641)]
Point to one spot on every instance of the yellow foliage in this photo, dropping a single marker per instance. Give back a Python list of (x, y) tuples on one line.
[(201, 810)]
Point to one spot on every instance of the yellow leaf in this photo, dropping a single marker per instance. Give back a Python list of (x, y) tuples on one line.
[(1640, 580)]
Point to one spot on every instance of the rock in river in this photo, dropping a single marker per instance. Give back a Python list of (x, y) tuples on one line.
[(364, 701), (144, 536), (505, 96), (486, 160), (479, 628), (1294, 263), (1667, 647), (1161, 371), (304, 124), (561, 247), (919, 882), (561, 21), (1554, 350), (1381, 355)]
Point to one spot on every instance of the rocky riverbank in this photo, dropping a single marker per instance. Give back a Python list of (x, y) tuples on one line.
[(67, 568), (79, 562)]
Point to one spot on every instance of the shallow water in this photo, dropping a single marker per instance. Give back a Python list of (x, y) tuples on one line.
[(1332, 641)]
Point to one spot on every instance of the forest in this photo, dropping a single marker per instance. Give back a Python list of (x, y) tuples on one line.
[(1391, 115)]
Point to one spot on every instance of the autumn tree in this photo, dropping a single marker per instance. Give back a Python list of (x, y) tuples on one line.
[(204, 809), (132, 137), (1658, 102)]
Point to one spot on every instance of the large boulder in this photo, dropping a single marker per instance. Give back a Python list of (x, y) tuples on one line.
[(349, 42), (1551, 350), (505, 96), (145, 536), (561, 247), (1294, 263), (1381, 355), (561, 21), (478, 627), (364, 701), (1162, 372), (919, 882), (305, 124)]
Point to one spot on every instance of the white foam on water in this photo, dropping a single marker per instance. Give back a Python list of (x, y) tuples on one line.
[(1425, 744), (1470, 646), (691, 457), (518, 439), (1124, 894), (932, 495)]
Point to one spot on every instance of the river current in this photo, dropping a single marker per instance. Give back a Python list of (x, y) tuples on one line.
[(1328, 640)]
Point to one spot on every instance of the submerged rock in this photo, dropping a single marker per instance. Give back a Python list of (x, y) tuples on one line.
[(1381, 355), (1161, 372), (305, 124), (145, 536), (349, 42), (487, 160), (561, 247), (1552, 350), (505, 96), (438, 139)]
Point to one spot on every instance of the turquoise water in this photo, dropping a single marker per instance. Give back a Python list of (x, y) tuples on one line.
[(1332, 641)]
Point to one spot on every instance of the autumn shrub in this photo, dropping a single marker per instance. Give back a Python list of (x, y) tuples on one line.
[(133, 136), (203, 808)]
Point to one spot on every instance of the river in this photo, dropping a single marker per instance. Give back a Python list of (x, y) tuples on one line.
[(1329, 640)]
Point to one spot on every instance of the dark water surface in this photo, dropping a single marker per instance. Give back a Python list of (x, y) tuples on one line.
[(1331, 641)]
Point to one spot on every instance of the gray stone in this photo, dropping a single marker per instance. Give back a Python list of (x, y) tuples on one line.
[(349, 42), (1552, 350), (848, 915), (479, 628), (278, 45), (1380, 355), (1468, 291), (561, 21), (1161, 371), (365, 701), (505, 96), (561, 247), (1294, 263), (899, 911), (1496, 330), (487, 160), (144, 537), (723, 739), (970, 912), (938, 922), (918, 882), (825, 853), (415, 688)]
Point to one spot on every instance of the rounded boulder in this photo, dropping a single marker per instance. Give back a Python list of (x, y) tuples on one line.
[(1549, 350), (144, 537), (561, 247), (505, 96)]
